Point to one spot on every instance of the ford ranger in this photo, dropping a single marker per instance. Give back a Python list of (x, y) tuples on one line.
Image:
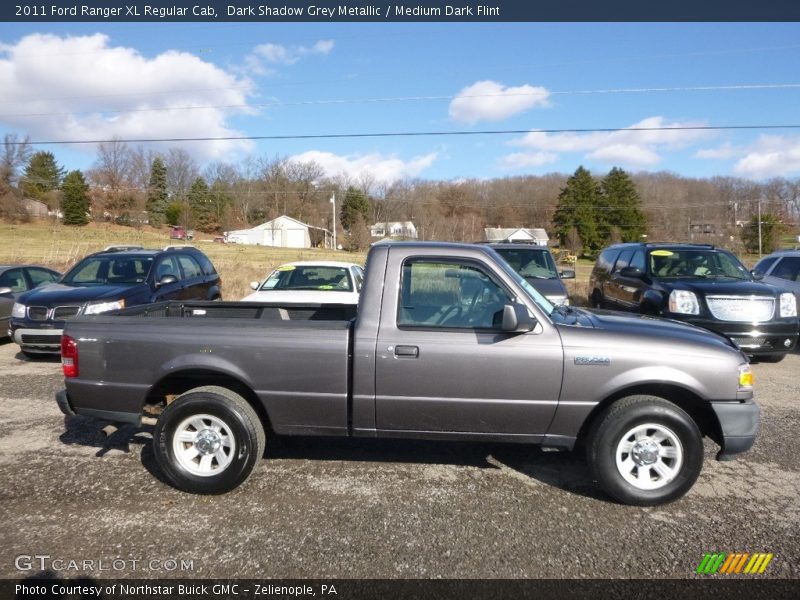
[(448, 342)]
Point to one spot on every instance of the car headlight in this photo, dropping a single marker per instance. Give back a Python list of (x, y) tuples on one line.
[(788, 305), (18, 310), (683, 302), (101, 307), (745, 377)]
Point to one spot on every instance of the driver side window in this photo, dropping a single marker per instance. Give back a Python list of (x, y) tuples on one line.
[(449, 294)]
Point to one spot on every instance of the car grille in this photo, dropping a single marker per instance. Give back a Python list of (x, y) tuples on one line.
[(33, 340), (62, 312), (743, 309), (38, 313)]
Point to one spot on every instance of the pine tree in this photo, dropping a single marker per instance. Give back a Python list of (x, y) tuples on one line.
[(200, 206), (622, 208), (355, 203), (157, 193), (577, 207), (42, 175), (75, 199)]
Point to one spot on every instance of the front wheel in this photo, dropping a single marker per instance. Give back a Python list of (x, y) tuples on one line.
[(644, 450), (208, 440)]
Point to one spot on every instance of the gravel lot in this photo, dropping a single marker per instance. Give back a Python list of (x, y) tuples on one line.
[(78, 489)]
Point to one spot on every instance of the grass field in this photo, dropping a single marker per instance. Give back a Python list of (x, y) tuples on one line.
[(59, 247)]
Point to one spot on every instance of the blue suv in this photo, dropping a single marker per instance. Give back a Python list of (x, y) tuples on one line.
[(117, 277)]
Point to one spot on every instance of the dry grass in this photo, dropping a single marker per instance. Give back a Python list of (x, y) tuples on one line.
[(60, 247)]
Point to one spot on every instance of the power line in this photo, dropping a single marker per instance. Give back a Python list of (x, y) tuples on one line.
[(341, 101), (404, 134)]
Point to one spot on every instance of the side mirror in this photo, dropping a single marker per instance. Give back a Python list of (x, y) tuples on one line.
[(756, 275), (635, 272), (516, 319), (567, 274), (5, 290), (166, 280), (254, 285)]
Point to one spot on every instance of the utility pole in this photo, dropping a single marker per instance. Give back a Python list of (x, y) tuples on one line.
[(333, 201), (759, 227)]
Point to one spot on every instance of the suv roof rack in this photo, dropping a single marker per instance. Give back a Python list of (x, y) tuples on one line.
[(649, 244), (121, 247), (177, 246)]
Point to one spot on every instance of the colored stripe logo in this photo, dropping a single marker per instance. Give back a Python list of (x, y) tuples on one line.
[(734, 563)]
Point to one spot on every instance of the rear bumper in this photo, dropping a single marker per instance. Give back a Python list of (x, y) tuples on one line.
[(65, 404), (739, 423)]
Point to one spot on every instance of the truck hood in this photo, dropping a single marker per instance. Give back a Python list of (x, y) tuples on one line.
[(720, 287), (57, 294), (654, 332), (547, 287)]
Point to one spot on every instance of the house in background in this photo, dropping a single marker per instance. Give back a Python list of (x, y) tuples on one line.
[(538, 237), (394, 229), (283, 232), (35, 208)]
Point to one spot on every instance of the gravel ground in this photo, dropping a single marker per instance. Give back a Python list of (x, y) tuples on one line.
[(77, 489)]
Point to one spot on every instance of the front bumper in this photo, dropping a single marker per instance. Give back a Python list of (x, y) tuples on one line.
[(739, 423), (771, 338), (43, 341)]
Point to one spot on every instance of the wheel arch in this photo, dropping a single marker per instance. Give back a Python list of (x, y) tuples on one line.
[(177, 383), (696, 407)]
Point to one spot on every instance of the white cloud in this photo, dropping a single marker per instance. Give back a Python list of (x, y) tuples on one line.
[(525, 160), (278, 54), (384, 169), (83, 88), (768, 156), (491, 101), (625, 147)]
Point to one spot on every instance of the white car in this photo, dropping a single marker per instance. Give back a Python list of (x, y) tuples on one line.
[(321, 282)]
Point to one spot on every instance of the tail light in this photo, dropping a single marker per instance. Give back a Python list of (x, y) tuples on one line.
[(69, 356)]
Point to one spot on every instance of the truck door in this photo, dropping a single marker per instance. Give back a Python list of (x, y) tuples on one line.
[(444, 365)]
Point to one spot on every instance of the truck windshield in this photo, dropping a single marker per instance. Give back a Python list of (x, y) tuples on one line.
[(309, 277), (668, 263)]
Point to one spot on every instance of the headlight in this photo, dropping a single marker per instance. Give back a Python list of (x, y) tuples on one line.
[(788, 305), (683, 302), (18, 310), (101, 307), (745, 377)]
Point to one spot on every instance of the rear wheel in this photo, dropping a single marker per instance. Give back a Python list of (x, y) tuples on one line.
[(770, 358), (208, 440), (644, 450)]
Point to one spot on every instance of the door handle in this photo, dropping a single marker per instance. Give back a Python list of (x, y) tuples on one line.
[(406, 351)]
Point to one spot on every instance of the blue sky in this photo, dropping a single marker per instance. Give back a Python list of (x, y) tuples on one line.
[(96, 81)]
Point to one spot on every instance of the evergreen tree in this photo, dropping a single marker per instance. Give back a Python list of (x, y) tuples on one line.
[(621, 208), (75, 199), (355, 204), (157, 193), (771, 231), (41, 175), (200, 206), (577, 207)]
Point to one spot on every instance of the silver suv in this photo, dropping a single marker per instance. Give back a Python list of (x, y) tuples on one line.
[(781, 268)]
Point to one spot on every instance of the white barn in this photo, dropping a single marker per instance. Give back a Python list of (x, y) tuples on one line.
[(282, 232)]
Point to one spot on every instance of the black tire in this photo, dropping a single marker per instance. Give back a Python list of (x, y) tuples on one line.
[(681, 437), (769, 358), (217, 405), (596, 299)]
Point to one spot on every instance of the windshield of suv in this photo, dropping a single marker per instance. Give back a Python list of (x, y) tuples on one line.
[(109, 270), (291, 277), (531, 263), (695, 263)]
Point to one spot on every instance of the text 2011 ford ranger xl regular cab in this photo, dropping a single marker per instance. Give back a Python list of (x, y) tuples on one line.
[(448, 343)]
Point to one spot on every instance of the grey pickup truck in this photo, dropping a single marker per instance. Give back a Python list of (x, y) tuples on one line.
[(448, 342)]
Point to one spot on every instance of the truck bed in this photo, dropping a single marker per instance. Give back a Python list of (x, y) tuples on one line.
[(242, 310)]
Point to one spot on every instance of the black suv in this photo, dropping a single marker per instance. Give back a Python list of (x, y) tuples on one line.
[(699, 284), (117, 277)]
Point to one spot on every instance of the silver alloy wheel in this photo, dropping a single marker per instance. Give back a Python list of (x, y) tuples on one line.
[(203, 445), (649, 456)]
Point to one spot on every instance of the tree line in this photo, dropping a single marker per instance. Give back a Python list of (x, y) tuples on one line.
[(583, 211)]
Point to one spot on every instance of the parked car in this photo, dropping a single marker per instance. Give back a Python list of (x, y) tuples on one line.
[(320, 282), (782, 268), (116, 277), (699, 284), (178, 232), (537, 266), (448, 343), (16, 280)]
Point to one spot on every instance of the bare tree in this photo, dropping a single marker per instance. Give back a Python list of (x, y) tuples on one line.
[(16, 153), (182, 171)]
